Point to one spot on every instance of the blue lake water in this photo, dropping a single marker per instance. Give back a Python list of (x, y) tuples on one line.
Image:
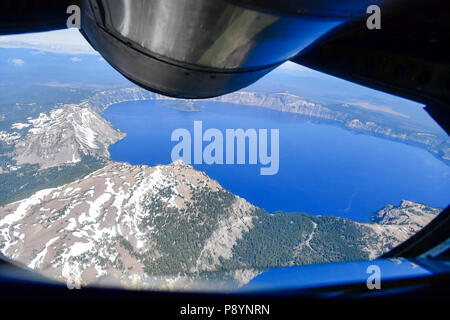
[(323, 169)]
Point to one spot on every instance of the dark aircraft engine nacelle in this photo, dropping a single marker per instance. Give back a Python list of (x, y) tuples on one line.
[(198, 48)]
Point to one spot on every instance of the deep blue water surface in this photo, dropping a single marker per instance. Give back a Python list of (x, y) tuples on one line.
[(323, 169)]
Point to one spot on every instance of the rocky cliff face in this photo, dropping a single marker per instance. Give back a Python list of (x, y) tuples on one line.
[(393, 225), (63, 136), (161, 226), (68, 133), (343, 115), (277, 101), (408, 213)]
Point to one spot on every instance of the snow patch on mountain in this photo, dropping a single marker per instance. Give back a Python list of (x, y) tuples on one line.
[(64, 136)]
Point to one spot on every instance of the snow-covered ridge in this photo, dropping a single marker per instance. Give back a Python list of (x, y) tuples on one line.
[(115, 222), (64, 136), (78, 230)]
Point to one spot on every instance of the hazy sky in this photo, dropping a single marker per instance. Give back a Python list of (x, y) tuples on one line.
[(70, 41), (62, 41)]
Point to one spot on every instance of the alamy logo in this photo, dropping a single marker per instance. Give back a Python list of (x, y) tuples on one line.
[(74, 20), (373, 22), (235, 147), (374, 279)]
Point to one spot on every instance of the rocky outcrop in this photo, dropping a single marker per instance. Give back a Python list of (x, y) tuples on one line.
[(64, 136), (408, 213), (393, 225)]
